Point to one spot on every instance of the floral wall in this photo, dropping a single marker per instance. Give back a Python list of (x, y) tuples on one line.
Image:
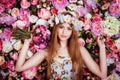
[(20, 18)]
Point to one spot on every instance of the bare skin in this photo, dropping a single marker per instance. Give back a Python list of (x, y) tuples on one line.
[(99, 70)]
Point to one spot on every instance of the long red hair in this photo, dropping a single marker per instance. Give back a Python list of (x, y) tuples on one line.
[(73, 49)]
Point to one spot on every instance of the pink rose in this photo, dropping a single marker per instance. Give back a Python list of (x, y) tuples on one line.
[(89, 40), (30, 73), (54, 11), (24, 4), (43, 13), (59, 4), (97, 28), (15, 12), (96, 18), (81, 42)]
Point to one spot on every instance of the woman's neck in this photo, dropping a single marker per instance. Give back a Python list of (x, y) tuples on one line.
[(63, 44)]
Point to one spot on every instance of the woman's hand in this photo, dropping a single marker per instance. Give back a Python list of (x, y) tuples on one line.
[(2, 60), (100, 41)]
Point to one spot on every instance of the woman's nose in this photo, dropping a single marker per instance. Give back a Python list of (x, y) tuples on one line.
[(64, 31)]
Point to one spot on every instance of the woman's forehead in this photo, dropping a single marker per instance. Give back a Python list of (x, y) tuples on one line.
[(65, 25)]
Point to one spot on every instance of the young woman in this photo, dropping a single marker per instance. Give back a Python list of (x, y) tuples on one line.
[(64, 55)]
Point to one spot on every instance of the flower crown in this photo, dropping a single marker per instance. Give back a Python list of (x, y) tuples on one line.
[(68, 18)]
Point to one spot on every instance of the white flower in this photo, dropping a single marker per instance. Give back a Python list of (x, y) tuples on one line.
[(29, 54), (88, 16), (111, 25), (72, 7), (33, 18), (7, 46), (77, 24), (117, 43), (17, 45), (110, 61), (67, 18), (41, 22)]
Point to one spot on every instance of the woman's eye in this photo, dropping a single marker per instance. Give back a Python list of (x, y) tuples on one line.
[(61, 27), (69, 28)]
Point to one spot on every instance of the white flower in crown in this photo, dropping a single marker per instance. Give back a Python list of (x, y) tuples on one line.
[(61, 18)]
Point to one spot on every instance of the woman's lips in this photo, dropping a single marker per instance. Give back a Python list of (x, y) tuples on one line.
[(63, 36)]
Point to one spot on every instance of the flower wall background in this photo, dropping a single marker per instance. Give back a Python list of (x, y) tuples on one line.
[(20, 18)]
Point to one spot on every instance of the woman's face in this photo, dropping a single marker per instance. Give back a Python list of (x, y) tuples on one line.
[(64, 31)]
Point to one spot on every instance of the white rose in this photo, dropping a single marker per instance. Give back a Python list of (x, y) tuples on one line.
[(41, 22), (18, 45), (7, 46), (33, 18), (72, 6), (117, 43)]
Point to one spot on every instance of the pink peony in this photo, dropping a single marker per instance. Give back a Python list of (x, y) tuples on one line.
[(97, 28), (30, 73), (44, 13), (7, 3), (24, 4), (82, 11), (24, 14), (59, 4), (114, 10)]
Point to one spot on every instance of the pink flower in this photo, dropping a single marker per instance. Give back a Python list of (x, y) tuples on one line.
[(96, 18), (59, 4), (14, 55), (72, 1), (30, 73), (24, 4), (15, 12), (8, 3), (81, 42), (7, 34), (0, 45), (97, 28), (24, 14), (54, 11), (87, 24), (34, 2), (1, 8), (89, 40), (82, 11), (114, 10), (21, 24), (10, 65), (43, 13)]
